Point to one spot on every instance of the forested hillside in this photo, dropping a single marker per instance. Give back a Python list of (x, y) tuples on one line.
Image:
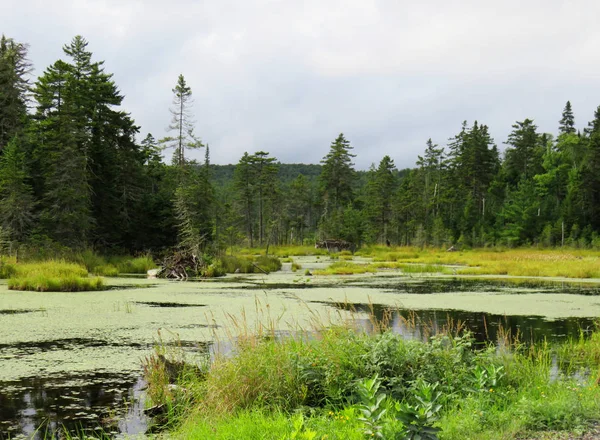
[(74, 173)]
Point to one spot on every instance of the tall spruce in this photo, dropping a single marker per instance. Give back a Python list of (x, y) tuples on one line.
[(567, 122), (265, 173), (337, 175), (14, 88), (17, 204), (244, 182), (84, 142), (379, 193), (182, 123)]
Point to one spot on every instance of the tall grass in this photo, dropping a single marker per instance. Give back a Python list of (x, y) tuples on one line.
[(53, 276), (8, 267), (484, 392), (345, 268), (566, 263), (250, 264)]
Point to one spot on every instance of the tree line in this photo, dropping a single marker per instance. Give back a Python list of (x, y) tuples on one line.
[(73, 175)]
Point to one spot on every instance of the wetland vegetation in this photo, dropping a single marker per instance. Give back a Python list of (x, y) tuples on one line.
[(337, 382), (399, 339)]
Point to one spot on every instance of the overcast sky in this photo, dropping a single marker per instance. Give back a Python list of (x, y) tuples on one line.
[(288, 76)]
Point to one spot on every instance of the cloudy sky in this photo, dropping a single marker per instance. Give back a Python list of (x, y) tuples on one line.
[(288, 76)]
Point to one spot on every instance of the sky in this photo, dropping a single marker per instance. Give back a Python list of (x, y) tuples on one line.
[(287, 77)]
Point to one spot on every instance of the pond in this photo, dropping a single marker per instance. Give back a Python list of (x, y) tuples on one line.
[(73, 360)]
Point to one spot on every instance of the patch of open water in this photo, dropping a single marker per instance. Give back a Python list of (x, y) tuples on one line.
[(485, 327), (47, 407)]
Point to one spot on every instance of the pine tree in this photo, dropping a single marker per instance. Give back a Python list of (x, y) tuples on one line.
[(431, 165), (264, 171), (299, 207), (14, 88), (63, 185), (194, 198), (524, 155), (337, 174), (17, 204), (590, 176), (379, 192), (567, 122), (79, 127), (182, 123), (244, 181), (336, 185)]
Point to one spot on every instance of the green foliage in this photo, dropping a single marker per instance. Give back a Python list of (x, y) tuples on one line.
[(371, 406), (14, 86), (418, 418)]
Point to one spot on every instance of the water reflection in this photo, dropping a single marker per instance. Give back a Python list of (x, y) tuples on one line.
[(43, 408), (485, 327)]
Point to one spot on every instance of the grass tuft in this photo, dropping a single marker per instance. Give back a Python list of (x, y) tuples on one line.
[(53, 276)]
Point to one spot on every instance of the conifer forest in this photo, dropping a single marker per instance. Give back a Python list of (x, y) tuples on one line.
[(77, 172)]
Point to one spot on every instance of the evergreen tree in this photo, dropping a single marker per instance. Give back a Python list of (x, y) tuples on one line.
[(590, 174), (244, 182), (431, 166), (380, 189), (524, 155), (182, 123), (567, 122), (299, 207), (78, 126), (264, 172), (336, 185), (337, 175), (14, 87), (473, 164), (194, 198), (17, 204)]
